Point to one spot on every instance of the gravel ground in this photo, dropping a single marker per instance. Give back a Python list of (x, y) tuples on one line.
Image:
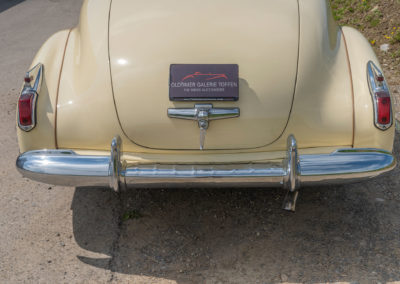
[(379, 21), (177, 235)]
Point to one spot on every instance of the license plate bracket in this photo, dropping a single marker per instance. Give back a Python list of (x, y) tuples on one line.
[(204, 82)]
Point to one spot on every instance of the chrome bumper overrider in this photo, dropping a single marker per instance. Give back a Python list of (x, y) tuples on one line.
[(64, 167)]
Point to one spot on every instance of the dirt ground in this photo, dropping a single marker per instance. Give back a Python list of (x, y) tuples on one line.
[(51, 234)]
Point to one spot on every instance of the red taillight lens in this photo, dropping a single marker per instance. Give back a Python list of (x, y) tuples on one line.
[(383, 107), (25, 104), (381, 97)]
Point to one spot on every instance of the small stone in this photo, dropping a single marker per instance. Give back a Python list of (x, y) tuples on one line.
[(374, 9), (49, 188), (380, 199), (284, 278), (384, 47)]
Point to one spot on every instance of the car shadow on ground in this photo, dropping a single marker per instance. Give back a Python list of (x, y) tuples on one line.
[(338, 233), (7, 4)]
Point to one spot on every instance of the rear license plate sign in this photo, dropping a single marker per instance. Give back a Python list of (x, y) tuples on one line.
[(204, 82)]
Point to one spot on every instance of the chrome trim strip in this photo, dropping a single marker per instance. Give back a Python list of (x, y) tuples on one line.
[(39, 78), (197, 112), (35, 90), (374, 87)]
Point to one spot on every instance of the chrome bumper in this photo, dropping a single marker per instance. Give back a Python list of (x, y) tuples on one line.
[(64, 167)]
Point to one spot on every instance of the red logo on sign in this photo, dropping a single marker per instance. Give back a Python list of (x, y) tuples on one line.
[(212, 76)]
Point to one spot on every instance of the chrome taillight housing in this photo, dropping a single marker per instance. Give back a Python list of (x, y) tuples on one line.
[(383, 117), (27, 100)]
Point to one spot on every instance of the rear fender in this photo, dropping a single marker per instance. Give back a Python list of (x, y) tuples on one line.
[(51, 56), (366, 134)]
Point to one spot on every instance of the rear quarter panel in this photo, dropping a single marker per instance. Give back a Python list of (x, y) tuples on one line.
[(322, 111), (86, 116), (51, 56), (366, 134)]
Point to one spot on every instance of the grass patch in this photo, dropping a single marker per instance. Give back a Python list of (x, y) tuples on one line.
[(396, 37), (132, 214), (360, 8), (396, 54), (379, 21), (374, 18)]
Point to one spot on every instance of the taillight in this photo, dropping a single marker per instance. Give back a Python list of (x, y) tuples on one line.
[(25, 104), (27, 100), (26, 110), (380, 97), (383, 108)]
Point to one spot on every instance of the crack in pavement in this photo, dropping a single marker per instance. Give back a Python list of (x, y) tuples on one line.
[(118, 216)]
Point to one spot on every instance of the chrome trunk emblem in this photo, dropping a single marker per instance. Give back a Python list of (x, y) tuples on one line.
[(203, 114)]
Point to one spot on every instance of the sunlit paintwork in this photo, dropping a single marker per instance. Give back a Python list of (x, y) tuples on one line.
[(321, 117), (146, 37), (50, 55), (86, 116), (360, 52)]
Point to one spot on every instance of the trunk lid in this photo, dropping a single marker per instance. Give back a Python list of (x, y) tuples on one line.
[(147, 37)]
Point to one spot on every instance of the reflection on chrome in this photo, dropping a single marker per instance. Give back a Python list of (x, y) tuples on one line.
[(345, 162), (65, 167)]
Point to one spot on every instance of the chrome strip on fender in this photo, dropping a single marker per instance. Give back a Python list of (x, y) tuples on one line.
[(375, 86)]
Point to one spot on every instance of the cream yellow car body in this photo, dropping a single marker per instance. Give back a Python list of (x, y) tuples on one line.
[(84, 106), (108, 77)]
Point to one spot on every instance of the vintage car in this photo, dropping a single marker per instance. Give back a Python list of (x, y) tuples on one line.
[(267, 93)]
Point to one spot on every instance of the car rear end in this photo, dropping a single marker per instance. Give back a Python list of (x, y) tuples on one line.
[(211, 92)]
